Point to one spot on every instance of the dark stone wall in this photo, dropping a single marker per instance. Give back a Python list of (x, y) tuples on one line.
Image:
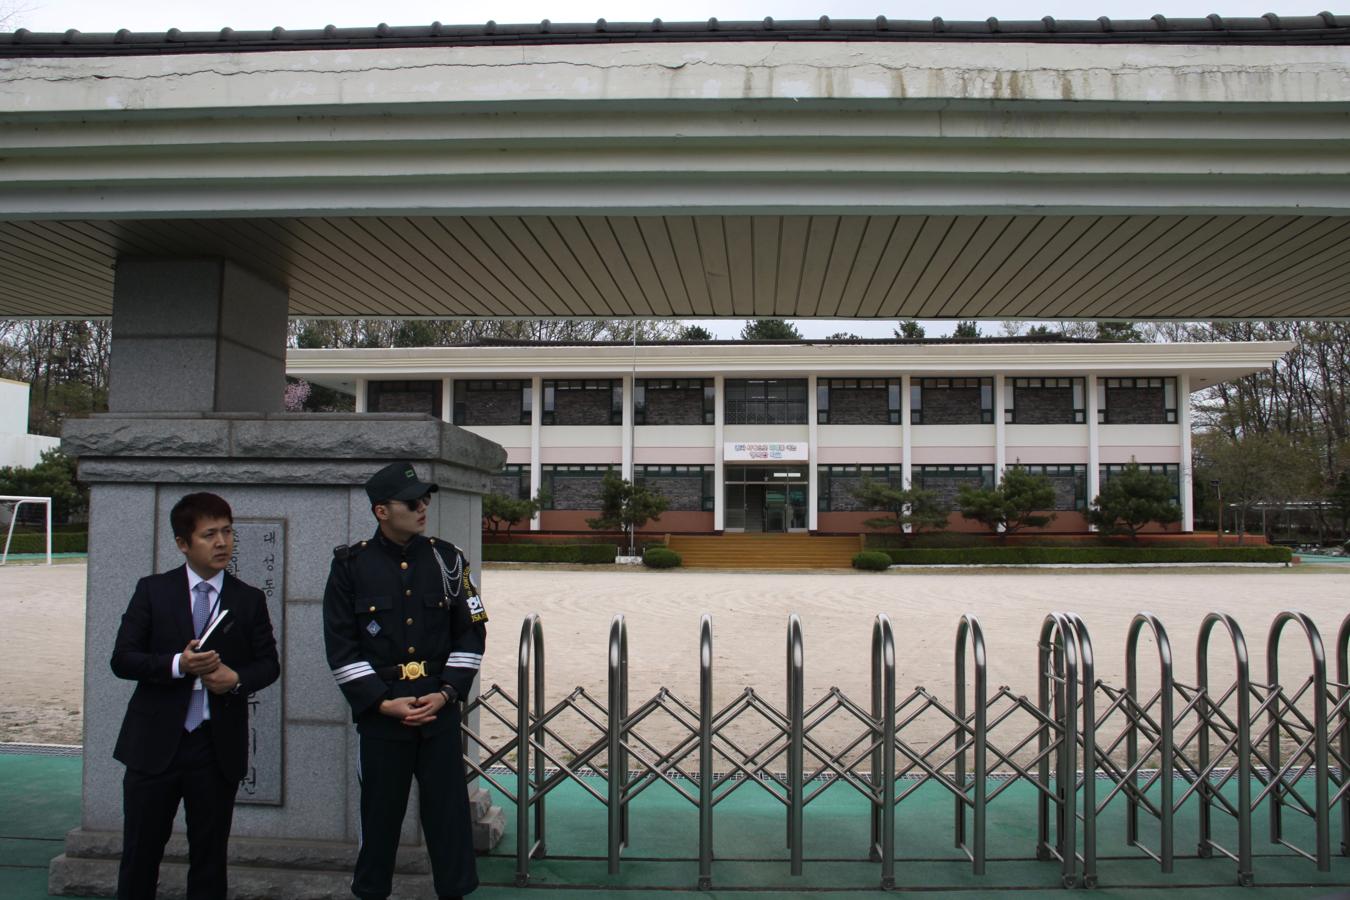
[(1065, 487), (580, 407), (675, 407), (407, 402), (1136, 406), (951, 406), (947, 484), (1043, 406), (682, 492), (492, 407), (862, 406), (515, 486), (577, 491)]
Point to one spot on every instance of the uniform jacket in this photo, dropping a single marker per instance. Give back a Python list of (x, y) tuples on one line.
[(157, 625), (388, 605)]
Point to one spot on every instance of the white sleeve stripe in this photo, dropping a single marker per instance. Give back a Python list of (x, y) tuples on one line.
[(464, 662), (343, 679), (350, 667), (464, 654)]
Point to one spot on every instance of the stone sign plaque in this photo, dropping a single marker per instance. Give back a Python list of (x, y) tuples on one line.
[(259, 559)]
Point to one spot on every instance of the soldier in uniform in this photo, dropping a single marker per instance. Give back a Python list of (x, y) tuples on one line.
[(405, 629)]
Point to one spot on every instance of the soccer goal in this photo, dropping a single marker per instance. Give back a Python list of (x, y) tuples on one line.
[(14, 518)]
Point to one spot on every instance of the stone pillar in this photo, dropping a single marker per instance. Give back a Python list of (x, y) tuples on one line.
[(198, 368), (196, 335), (448, 400)]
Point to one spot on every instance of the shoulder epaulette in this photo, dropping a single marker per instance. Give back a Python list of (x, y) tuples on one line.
[(346, 551)]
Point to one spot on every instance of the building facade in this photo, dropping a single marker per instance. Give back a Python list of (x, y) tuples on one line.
[(774, 437)]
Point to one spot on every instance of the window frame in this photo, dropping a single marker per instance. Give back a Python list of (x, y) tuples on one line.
[(549, 414), (794, 410), (708, 385), (1077, 385), (1168, 383), (892, 387), (1170, 470), (463, 386), (376, 387), (894, 472), (550, 471), (1078, 470), (918, 385), (707, 473)]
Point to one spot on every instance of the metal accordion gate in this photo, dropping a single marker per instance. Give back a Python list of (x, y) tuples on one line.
[(1244, 749)]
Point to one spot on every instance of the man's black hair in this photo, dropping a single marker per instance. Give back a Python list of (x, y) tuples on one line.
[(192, 508)]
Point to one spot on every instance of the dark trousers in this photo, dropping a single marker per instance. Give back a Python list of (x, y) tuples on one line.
[(386, 769), (149, 805)]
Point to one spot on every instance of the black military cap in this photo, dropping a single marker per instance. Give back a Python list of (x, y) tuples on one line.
[(397, 481)]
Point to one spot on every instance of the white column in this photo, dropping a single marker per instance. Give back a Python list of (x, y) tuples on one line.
[(628, 427), (360, 395), (536, 420), (1094, 453), (812, 435), (1184, 424), (447, 399), (1000, 430), (719, 476), (906, 433)]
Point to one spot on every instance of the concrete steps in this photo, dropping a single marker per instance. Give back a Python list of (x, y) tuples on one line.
[(764, 551)]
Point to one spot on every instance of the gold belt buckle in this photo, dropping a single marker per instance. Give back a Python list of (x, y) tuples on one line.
[(413, 670)]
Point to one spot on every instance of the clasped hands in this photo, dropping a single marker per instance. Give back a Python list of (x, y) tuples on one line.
[(206, 665), (414, 711)]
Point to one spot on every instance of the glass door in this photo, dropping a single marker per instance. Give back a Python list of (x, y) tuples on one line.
[(796, 502), (775, 508)]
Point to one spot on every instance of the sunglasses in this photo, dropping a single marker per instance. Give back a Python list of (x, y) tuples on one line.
[(415, 505)]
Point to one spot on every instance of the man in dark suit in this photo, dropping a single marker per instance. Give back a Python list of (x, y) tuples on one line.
[(185, 735)]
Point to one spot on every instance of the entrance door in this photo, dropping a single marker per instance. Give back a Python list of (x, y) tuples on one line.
[(775, 507), (754, 507)]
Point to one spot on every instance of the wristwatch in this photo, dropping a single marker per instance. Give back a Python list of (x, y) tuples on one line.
[(449, 694), (238, 683)]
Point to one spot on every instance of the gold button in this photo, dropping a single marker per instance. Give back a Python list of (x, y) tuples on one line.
[(441, 604), (372, 609), (432, 540), (407, 593), (403, 565), (409, 622), (412, 650), (363, 543)]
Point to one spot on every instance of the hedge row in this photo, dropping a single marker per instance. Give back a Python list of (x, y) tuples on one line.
[(37, 543), (550, 553), (661, 558), (1011, 556)]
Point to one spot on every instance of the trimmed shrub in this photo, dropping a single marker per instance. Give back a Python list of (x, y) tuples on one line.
[(1013, 556), (589, 554), (62, 542), (661, 558), (872, 560)]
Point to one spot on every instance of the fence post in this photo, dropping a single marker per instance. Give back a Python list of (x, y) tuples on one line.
[(969, 631), (529, 667), (615, 753), (1243, 748), (883, 775), (1320, 751), (705, 754), (1089, 707), (796, 739), (1166, 850), (1343, 677), (1057, 634)]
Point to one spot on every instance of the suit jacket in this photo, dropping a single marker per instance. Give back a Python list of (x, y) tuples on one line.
[(157, 625)]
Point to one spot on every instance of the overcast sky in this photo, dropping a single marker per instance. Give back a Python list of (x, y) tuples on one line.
[(195, 15)]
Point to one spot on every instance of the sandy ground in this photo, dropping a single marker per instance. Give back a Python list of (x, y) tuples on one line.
[(41, 669)]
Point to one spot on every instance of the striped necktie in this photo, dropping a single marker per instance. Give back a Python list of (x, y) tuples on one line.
[(201, 610)]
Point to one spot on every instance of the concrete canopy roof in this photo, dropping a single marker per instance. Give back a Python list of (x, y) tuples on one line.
[(735, 178)]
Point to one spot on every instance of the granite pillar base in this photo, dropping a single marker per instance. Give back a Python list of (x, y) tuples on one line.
[(294, 480)]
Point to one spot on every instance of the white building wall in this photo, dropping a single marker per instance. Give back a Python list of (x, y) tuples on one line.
[(17, 446)]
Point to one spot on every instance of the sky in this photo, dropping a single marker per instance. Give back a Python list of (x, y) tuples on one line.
[(195, 15)]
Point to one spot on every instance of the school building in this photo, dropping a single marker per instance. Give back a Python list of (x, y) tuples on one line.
[(771, 437)]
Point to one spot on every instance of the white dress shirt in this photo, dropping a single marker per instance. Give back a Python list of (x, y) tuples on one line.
[(212, 597)]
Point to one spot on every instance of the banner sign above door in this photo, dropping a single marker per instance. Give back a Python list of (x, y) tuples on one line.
[(745, 451)]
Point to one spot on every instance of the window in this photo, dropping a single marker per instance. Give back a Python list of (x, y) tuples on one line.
[(1045, 401), (674, 401), (573, 486), (405, 397), (512, 481), (947, 481), (1070, 483), (493, 402), (766, 401), (1171, 471), (835, 485), (686, 488), (583, 402), (1137, 401), (951, 401), (858, 401)]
